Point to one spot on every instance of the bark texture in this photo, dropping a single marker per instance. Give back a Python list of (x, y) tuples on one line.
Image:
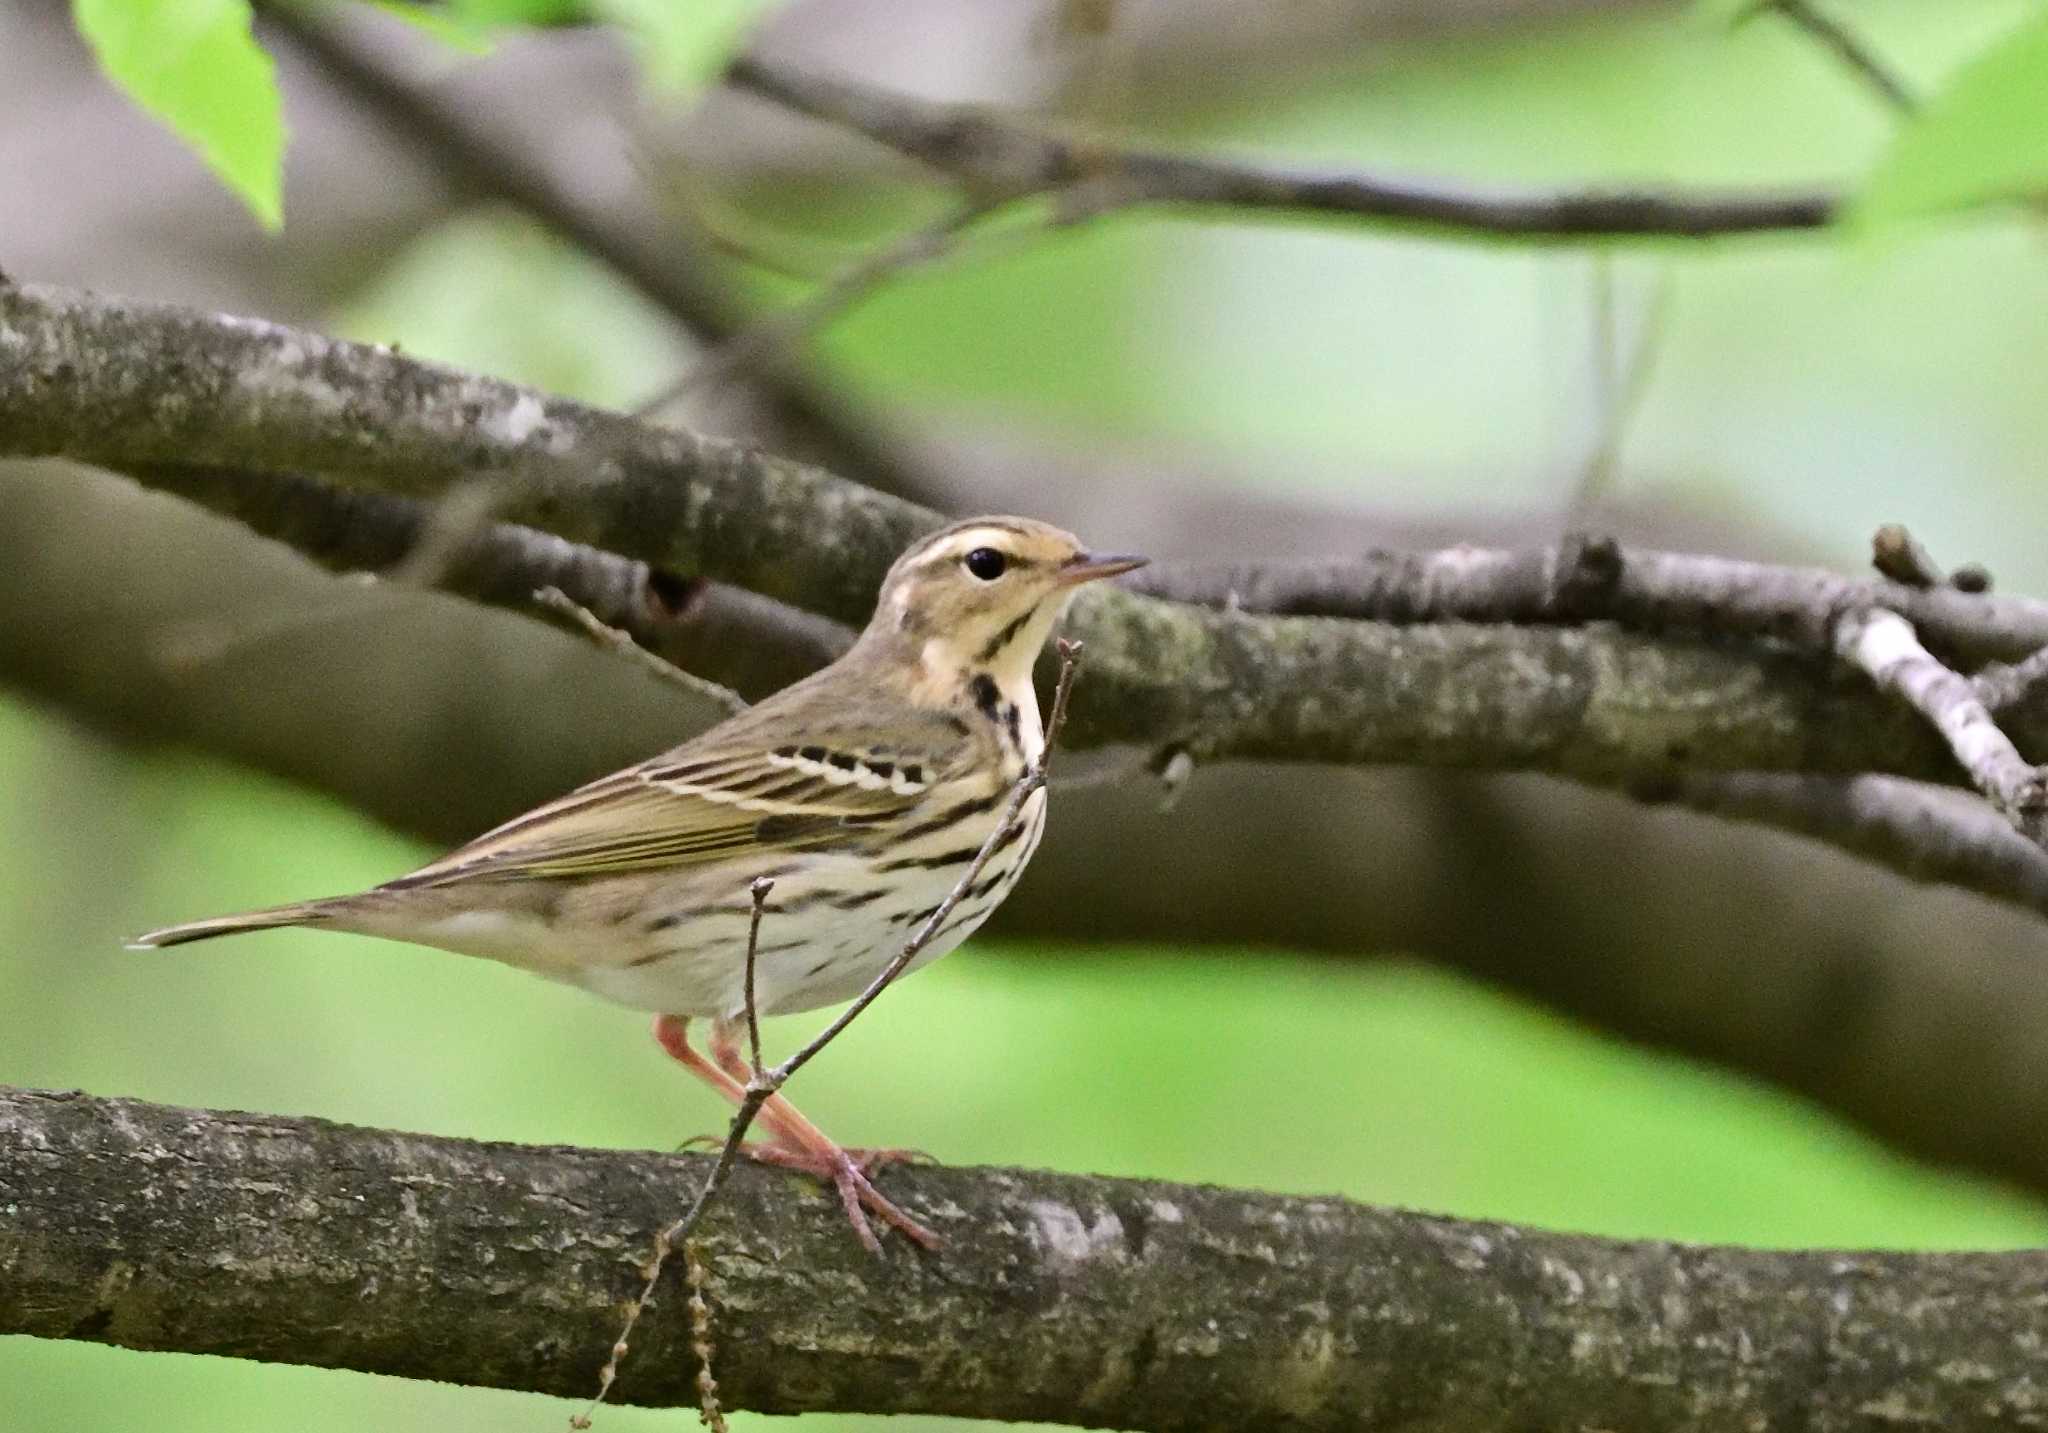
[(132, 385), (1102, 1302)]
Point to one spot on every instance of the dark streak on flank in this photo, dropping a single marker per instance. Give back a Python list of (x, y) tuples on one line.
[(959, 856), (959, 811), (854, 900)]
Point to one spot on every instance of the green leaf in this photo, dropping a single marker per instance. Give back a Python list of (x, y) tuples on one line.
[(194, 65), (1982, 138), (683, 44), (523, 12)]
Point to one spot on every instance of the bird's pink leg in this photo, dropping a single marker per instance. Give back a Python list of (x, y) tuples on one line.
[(795, 1131), (799, 1144)]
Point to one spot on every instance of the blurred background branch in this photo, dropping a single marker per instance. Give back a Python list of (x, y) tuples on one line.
[(998, 157)]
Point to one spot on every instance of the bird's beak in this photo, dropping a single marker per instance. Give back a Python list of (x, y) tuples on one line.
[(1092, 566)]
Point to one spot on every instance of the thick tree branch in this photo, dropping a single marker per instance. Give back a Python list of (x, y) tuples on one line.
[(1062, 1298), (725, 634), (130, 385), (995, 154), (1595, 579), (153, 389)]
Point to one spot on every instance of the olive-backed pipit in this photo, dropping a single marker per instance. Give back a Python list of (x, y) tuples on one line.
[(864, 792)]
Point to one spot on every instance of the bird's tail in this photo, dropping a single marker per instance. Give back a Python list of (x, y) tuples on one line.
[(304, 913)]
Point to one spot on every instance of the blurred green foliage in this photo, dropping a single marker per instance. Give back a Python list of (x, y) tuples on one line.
[(1983, 137), (1807, 385), (194, 65)]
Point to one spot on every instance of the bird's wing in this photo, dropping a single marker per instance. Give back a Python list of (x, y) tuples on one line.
[(700, 803)]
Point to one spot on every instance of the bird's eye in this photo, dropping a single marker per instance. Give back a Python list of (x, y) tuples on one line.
[(986, 563)]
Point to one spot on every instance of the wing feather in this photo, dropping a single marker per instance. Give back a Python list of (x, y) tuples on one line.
[(692, 806)]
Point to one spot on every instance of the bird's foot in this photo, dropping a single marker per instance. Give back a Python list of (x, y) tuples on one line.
[(847, 1171)]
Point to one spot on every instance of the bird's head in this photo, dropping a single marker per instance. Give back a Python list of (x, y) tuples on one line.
[(982, 595)]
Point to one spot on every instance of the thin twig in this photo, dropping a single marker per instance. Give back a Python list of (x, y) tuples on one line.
[(1623, 385), (1003, 154), (700, 1336), (743, 351), (1850, 49), (766, 1082), (556, 600), (2003, 687), (1884, 644), (759, 891), (1897, 554)]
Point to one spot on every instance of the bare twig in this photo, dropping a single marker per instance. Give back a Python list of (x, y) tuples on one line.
[(1850, 49), (745, 349), (1883, 644), (766, 1082), (700, 1335), (2001, 687), (1003, 155), (611, 638), (759, 890), (1621, 385), (1897, 554)]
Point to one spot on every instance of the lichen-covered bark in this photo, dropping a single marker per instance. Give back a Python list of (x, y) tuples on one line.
[(130, 383), (134, 384), (1102, 1302)]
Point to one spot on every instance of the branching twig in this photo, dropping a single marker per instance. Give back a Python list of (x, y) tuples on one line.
[(1883, 644), (766, 1082), (1002, 155), (611, 638), (758, 891)]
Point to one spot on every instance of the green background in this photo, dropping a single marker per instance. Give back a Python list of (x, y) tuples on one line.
[(1817, 385)]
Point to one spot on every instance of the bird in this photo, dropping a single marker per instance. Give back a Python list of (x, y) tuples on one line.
[(863, 793)]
